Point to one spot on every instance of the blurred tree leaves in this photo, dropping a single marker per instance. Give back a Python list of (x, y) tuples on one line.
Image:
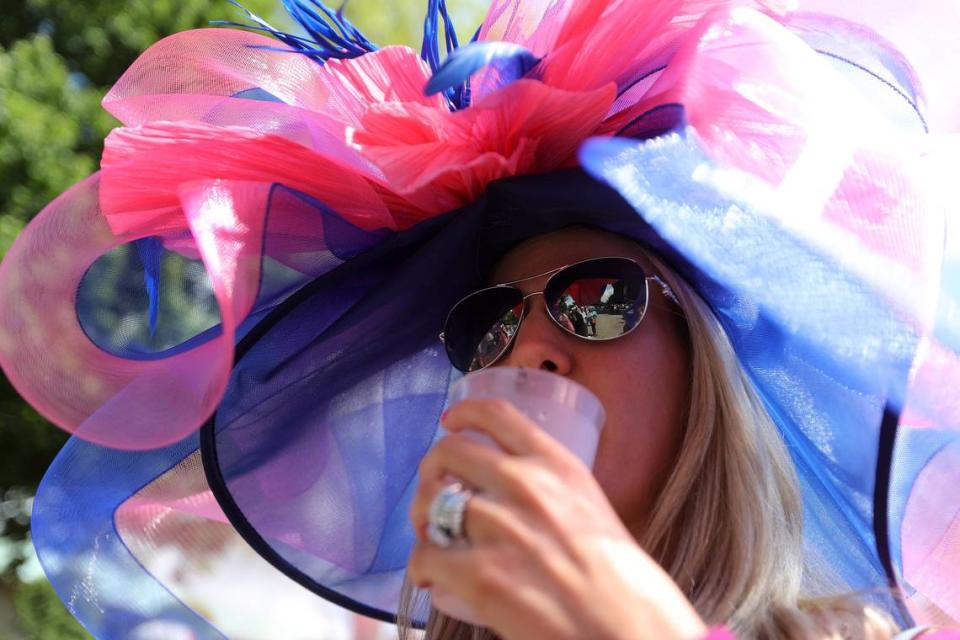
[(40, 614), (100, 38), (50, 129)]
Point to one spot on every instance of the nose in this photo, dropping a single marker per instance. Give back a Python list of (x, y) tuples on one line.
[(539, 343)]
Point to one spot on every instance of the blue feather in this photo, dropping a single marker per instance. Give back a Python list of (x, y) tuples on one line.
[(328, 28), (331, 35), (511, 61), (150, 251), (458, 97)]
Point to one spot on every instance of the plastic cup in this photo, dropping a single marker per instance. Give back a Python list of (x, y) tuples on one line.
[(565, 409)]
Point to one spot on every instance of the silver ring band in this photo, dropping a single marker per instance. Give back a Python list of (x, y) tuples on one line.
[(446, 518)]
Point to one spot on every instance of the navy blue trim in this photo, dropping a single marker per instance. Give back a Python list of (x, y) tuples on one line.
[(208, 440), (218, 486), (221, 492), (659, 107), (895, 88), (889, 426), (637, 81)]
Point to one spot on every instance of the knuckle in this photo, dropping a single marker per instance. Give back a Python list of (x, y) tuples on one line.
[(488, 580), (567, 465), (415, 562), (499, 408), (436, 458), (439, 450), (499, 522), (453, 443), (513, 474), (418, 513), (449, 447), (428, 462), (516, 532), (420, 504), (482, 516), (491, 409), (535, 487)]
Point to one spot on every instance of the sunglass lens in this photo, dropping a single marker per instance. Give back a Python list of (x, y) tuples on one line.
[(599, 299), (480, 327)]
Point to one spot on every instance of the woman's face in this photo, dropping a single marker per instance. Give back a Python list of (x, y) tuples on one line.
[(642, 379)]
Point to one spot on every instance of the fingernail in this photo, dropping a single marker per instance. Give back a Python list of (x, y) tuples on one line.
[(426, 584), (443, 416)]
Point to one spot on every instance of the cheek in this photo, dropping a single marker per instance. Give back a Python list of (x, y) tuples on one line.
[(646, 403)]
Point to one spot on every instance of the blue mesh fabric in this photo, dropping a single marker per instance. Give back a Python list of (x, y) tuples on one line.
[(99, 580)]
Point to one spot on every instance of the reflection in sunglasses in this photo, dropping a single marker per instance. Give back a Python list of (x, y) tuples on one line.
[(596, 299), (495, 341), (596, 307)]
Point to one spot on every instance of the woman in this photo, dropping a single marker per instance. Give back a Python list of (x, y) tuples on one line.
[(791, 369), (690, 468)]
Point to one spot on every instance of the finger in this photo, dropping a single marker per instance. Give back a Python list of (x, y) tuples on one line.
[(468, 574), (513, 432), (430, 566), (427, 491), (485, 518), (479, 465)]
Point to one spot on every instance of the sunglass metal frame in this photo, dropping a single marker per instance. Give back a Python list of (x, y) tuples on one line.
[(553, 273)]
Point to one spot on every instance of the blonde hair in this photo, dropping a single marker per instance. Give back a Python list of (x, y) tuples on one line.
[(727, 525)]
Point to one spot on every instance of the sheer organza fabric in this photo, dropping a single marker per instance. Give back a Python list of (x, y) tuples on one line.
[(327, 217)]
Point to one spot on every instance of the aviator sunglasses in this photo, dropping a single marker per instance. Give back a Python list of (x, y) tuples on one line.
[(598, 299)]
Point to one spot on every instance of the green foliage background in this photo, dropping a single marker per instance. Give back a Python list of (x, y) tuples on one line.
[(57, 59)]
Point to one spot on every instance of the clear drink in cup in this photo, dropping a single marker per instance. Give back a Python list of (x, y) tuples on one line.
[(566, 410)]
